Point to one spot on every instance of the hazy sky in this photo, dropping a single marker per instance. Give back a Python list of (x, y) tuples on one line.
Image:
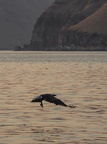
[(17, 19)]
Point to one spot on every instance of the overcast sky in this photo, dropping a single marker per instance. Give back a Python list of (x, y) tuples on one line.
[(17, 18)]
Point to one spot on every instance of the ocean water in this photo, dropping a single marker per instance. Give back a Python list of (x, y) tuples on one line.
[(78, 78)]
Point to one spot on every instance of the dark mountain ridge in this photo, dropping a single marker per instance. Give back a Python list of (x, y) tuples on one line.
[(71, 25)]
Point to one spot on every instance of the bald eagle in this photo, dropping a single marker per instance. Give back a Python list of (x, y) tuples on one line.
[(50, 98)]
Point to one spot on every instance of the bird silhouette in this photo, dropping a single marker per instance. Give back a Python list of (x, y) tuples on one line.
[(50, 98)]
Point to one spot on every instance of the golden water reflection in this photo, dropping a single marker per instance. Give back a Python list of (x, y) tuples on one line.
[(82, 84)]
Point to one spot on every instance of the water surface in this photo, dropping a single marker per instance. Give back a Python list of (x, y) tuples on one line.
[(78, 78)]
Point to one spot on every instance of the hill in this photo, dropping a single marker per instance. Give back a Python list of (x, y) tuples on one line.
[(96, 23), (71, 25)]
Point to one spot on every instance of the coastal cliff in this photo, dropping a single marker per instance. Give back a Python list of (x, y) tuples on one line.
[(71, 25)]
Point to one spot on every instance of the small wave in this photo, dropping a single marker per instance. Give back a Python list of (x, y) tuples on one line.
[(4, 125)]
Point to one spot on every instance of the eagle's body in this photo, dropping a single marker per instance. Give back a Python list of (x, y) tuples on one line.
[(50, 98)]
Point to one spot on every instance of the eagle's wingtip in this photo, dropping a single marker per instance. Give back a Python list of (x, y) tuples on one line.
[(72, 106)]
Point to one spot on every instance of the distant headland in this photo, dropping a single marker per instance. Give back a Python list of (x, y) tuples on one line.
[(71, 25)]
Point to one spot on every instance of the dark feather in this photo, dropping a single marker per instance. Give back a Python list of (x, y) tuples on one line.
[(55, 101), (37, 99)]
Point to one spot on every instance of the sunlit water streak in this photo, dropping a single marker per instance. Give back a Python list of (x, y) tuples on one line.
[(78, 78)]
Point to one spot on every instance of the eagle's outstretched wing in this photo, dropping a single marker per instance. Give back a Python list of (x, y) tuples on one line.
[(55, 101)]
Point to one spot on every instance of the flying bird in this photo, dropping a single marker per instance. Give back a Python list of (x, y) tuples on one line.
[(50, 98)]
